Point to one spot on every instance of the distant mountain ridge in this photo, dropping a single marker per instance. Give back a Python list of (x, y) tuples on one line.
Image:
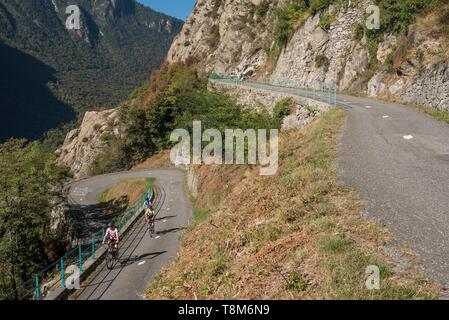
[(119, 43)]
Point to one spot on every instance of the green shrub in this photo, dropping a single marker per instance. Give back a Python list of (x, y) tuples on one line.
[(262, 8), (420, 56), (321, 61), (282, 109), (296, 282), (326, 21), (201, 214), (373, 38), (319, 5), (444, 18), (389, 63), (335, 245), (286, 18), (396, 16), (358, 31), (289, 14), (215, 7), (214, 38), (219, 261), (138, 92), (216, 4)]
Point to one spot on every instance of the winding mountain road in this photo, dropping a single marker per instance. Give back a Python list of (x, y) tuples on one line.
[(398, 160), (395, 157), (140, 255)]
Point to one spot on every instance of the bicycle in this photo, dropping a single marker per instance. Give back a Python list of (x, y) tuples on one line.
[(111, 256)]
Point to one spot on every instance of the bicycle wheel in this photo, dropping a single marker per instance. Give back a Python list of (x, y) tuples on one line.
[(151, 229), (110, 260)]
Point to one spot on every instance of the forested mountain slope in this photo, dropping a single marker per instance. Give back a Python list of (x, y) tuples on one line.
[(119, 43)]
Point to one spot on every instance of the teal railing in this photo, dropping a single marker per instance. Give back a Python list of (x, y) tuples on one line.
[(53, 276), (320, 91)]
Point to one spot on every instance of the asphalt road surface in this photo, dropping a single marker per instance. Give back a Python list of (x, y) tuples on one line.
[(398, 160), (140, 255)]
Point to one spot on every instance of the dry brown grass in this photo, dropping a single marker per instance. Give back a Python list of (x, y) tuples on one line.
[(295, 235), (431, 27), (129, 189), (160, 160)]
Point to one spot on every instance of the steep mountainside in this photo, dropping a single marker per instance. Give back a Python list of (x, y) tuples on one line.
[(297, 234), (227, 34), (310, 42), (119, 43)]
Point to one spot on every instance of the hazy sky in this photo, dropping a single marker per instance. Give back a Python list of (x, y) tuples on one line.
[(177, 8)]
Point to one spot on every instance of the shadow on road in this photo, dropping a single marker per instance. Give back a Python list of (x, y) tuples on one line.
[(134, 259), (170, 231), (165, 218), (89, 220)]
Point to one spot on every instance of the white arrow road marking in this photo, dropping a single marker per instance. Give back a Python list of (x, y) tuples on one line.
[(409, 137), (141, 263), (385, 117)]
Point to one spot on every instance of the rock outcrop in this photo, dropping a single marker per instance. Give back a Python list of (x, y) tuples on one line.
[(239, 44), (419, 72), (227, 35), (315, 55), (430, 87), (82, 145)]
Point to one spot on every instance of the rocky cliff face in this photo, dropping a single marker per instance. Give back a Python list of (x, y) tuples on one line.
[(418, 75), (227, 35), (235, 37), (315, 55), (82, 145), (245, 36), (429, 87)]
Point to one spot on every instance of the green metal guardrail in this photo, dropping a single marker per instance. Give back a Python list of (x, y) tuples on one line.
[(55, 275), (324, 92)]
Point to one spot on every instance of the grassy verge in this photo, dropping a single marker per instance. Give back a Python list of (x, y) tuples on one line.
[(131, 189), (436, 114), (295, 235), (439, 115)]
